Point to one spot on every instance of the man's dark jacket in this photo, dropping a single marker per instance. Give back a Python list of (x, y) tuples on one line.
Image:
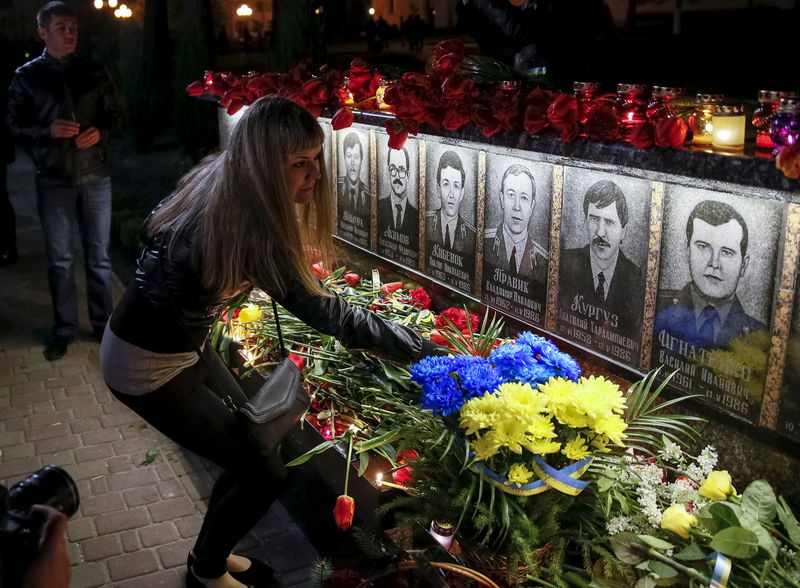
[(73, 88)]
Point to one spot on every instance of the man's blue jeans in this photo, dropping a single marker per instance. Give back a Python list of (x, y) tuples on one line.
[(62, 206)]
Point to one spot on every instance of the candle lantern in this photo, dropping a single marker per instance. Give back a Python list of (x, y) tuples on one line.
[(381, 91), (442, 531), (700, 121), (784, 128), (768, 102), (658, 107), (728, 131), (585, 93), (631, 107)]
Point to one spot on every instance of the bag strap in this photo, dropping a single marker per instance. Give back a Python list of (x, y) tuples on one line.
[(278, 327)]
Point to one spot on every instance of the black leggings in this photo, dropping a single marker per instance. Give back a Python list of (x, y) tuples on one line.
[(187, 411)]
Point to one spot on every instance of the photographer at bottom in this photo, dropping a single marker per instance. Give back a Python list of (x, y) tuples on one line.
[(33, 524)]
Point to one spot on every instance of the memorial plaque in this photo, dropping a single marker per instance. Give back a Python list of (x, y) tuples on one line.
[(789, 414), (516, 239), (398, 202), (715, 294), (604, 236), (450, 233), (327, 144), (354, 198)]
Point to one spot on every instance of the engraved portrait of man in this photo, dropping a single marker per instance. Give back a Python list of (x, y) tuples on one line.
[(445, 226), (600, 272), (706, 311), (397, 211), (353, 192)]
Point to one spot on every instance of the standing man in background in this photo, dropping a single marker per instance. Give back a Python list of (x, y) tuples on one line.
[(63, 108)]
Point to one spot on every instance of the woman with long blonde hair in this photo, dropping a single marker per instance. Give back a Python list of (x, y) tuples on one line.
[(241, 219)]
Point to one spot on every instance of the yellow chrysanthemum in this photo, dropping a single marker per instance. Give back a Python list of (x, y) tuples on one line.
[(249, 313), (510, 432), (519, 474), (542, 446), (521, 399), (541, 426), (576, 449), (598, 397), (613, 428), (480, 413), (484, 446), (600, 443)]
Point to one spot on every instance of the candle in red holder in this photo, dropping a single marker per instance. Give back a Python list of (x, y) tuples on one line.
[(768, 102), (585, 93), (658, 107), (631, 107)]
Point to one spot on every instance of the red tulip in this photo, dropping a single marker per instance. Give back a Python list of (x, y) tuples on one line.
[(298, 360), (352, 279), (344, 511), (196, 89), (387, 289), (319, 270), (436, 337), (342, 119)]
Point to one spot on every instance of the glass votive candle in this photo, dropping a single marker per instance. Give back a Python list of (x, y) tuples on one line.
[(728, 123), (442, 531), (631, 107), (585, 93), (784, 128), (384, 83), (700, 121), (768, 102), (658, 107)]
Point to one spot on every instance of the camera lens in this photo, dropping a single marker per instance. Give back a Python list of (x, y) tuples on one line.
[(51, 486)]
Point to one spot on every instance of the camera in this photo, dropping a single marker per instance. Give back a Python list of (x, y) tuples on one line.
[(21, 526)]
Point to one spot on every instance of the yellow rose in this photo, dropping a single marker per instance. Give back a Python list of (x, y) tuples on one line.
[(249, 313), (717, 486), (677, 520)]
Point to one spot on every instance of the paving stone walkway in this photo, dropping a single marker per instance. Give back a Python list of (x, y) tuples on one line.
[(142, 496)]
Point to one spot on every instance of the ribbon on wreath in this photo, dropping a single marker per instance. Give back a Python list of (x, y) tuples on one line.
[(722, 570), (565, 480)]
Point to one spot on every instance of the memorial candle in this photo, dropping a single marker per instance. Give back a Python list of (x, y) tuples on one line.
[(728, 122)]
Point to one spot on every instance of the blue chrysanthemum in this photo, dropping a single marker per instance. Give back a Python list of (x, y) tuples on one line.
[(565, 366), (557, 363), (442, 397), (512, 361), (478, 377), (540, 346), (430, 369)]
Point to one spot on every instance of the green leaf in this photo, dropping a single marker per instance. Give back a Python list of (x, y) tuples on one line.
[(321, 448), (661, 569), (691, 552), (150, 457), (717, 516), (376, 441), (605, 576), (765, 541), (647, 581), (622, 544), (735, 542), (759, 501), (789, 521), (363, 462), (655, 542)]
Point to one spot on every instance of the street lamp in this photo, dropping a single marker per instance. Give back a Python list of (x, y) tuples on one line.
[(123, 11), (98, 4), (244, 10), (371, 11), (112, 3)]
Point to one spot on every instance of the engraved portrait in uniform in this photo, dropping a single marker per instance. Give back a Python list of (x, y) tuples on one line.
[(715, 293), (516, 239), (398, 202), (352, 186), (603, 253), (450, 215)]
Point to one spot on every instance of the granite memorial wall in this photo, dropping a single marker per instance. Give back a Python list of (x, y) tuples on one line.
[(638, 267)]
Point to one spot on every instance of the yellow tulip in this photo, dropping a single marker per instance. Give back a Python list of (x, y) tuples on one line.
[(677, 520), (717, 486), (249, 313)]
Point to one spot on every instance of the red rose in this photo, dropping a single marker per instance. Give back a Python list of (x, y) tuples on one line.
[(486, 121), (342, 119), (456, 118), (420, 298), (457, 86), (453, 46), (352, 279), (642, 135), (344, 511), (671, 132), (196, 89), (602, 124), (788, 161), (398, 134)]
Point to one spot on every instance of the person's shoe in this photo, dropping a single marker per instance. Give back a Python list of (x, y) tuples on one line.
[(258, 575), (56, 348), (8, 256)]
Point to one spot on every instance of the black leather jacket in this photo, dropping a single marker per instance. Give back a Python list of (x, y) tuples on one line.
[(148, 317), (72, 88)]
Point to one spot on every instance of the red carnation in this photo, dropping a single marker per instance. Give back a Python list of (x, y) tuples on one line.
[(671, 132), (420, 298), (458, 317), (602, 124), (342, 119), (642, 135)]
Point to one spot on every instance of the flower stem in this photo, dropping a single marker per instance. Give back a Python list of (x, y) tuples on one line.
[(349, 455), (691, 572)]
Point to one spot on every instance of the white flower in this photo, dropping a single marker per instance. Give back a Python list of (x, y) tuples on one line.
[(707, 460), (618, 525), (671, 452), (682, 491)]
